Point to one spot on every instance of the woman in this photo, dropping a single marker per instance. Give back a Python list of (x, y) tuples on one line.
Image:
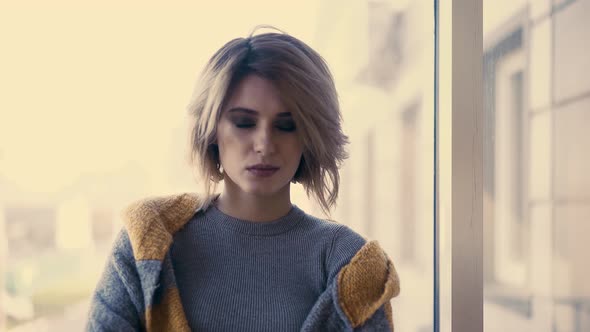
[(265, 114)]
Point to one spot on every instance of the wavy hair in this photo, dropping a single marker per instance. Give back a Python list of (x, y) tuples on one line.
[(307, 88)]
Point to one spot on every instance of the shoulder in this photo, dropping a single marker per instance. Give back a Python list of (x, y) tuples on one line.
[(344, 244), (169, 210), (337, 242), (329, 227), (121, 252), (362, 273), (364, 276), (152, 221)]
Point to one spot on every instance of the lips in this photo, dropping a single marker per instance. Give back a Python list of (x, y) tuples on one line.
[(263, 167), (262, 170)]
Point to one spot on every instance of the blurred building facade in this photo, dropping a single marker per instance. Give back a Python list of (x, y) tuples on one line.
[(382, 56), (536, 156), (53, 246), (537, 187)]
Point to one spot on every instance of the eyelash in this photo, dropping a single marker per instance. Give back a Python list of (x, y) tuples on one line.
[(248, 125)]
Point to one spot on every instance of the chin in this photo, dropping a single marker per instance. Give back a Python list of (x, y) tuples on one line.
[(264, 190), (258, 188)]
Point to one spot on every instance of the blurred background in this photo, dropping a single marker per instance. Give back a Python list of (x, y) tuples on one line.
[(536, 162), (93, 116)]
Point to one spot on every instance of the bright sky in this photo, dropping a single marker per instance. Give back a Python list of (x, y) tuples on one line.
[(90, 87)]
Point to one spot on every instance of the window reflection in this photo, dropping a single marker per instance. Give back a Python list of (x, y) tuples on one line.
[(536, 203), (387, 94), (58, 219)]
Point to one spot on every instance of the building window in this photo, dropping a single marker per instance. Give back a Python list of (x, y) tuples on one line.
[(510, 238), (407, 183)]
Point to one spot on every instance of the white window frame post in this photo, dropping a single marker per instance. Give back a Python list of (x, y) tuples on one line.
[(459, 166)]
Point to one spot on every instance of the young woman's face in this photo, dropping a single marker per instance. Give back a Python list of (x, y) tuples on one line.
[(259, 148)]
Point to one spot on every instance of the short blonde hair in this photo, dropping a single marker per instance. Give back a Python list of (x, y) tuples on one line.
[(307, 88)]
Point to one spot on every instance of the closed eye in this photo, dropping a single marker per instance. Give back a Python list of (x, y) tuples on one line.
[(288, 127)]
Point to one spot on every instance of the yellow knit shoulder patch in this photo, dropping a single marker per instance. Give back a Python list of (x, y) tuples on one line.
[(366, 283), (151, 222)]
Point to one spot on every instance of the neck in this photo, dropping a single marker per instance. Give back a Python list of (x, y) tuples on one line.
[(256, 208)]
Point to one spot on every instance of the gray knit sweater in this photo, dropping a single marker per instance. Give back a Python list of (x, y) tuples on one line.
[(174, 268), (267, 275)]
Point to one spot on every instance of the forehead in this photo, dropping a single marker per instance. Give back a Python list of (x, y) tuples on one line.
[(258, 94)]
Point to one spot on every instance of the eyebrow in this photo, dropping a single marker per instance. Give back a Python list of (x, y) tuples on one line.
[(253, 112)]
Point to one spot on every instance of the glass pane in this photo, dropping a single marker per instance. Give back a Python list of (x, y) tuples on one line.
[(537, 196), (382, 56), (95, 100)]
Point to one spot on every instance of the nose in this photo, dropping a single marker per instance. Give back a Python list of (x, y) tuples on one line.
[(264, 142)]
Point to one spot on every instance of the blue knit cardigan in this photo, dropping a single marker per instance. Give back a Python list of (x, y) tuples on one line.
[(137, 290)]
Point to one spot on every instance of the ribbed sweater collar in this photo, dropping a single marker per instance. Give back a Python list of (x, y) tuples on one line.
[(267, 228)]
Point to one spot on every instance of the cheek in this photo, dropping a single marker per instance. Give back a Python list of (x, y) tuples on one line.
[(231, 141), (294, 148)]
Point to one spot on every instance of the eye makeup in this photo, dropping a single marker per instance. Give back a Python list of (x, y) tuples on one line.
[(245, 118), (243, 122)]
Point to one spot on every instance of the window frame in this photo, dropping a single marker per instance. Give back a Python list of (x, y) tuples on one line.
[(458, 238)]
